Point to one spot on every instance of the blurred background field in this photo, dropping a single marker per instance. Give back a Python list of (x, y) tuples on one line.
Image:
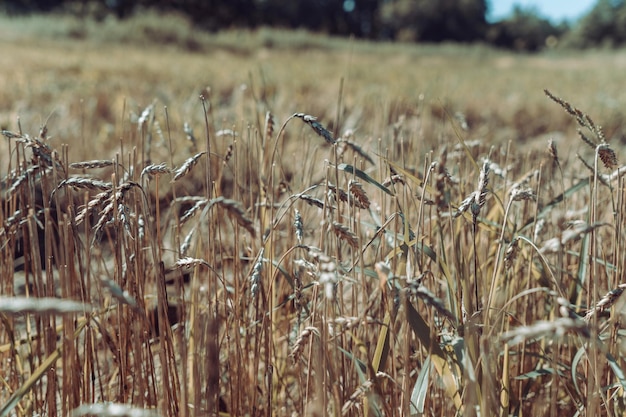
[(88, 77)]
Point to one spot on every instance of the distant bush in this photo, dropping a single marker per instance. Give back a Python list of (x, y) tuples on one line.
[(525, 30), (435, 20)]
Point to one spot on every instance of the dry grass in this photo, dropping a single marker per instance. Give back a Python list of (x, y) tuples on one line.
[(406, 241)]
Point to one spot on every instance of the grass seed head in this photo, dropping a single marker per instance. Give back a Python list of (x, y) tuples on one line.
[(235, 208), (301, 341), (255, 277), (607, 156), (112, 410), (552, 151), (394, 179), (317, 127), (187, 166), (269, 126), (190, 136), (199, 205), (93, 164), (189, 262), (84, 183), (26, 175), (606, 302), (155, 169), (21, 305), (356, 148), (229, 154), (522, 194), (481, 191), (465, 205), (312, 200), (511, 253), (360, 198), (557, 328), (186, 244), (297, 223), (344, 233)]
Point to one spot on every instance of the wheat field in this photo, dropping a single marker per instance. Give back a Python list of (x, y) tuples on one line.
[(281, 224)]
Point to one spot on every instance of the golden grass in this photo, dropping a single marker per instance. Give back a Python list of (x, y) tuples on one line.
[(431, 251)]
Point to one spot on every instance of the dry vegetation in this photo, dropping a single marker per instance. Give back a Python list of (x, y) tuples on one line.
[(273, 224)]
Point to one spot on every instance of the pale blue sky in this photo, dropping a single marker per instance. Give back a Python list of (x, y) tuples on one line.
[(555, 10)]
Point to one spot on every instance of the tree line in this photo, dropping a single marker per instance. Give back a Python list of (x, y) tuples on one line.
[(406, 20)]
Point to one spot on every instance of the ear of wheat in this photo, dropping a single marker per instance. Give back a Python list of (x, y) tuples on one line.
[(187, 166), (317, 127)]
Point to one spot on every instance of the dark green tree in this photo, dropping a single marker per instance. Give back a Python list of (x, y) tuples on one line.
[(604, 25), (435, 20), (524, 30), (29, 6), (212, 14), (337, 17)]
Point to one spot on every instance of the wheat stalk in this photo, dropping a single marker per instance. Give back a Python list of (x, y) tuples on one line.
[(187, 166), (605, 302), (552, 151), (582, 118), (297, 223), (83, 183), (22, 179), (190, 136), (511, 253), (93, 164), (255, 277), (312, 200), (360, 197), (200, 204), (112, 410), (607, 156), (186, 244), (155, 169), (22, 305), (344, 233), (235, 208), (557, 328), (481, 192), (301, 342), (269, 127), (317, 127), (191, 262), (356, 148)]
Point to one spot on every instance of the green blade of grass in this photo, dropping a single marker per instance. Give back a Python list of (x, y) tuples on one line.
[(429, 252), (379, 361), (617, 370), (438, 358), (362, 175), (583, 269), (420, 389), (415, 180), (382, 346), (556, 200), (360, 367), (426, 250)]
